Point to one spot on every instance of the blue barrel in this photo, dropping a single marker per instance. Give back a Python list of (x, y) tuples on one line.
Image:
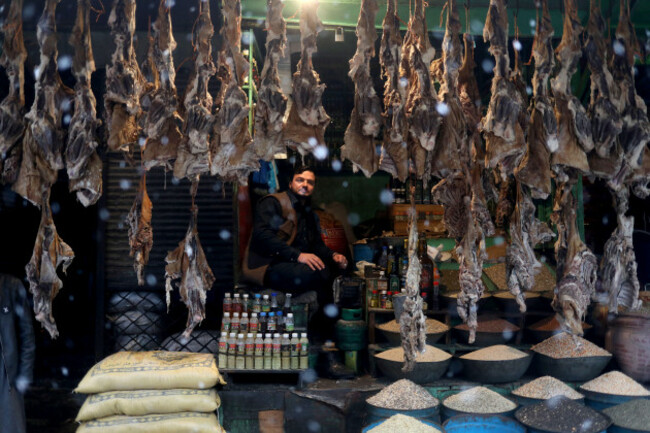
[(448, 413), (616, 429), (377, 424), (482, 424), (375, 413), (363, 252)]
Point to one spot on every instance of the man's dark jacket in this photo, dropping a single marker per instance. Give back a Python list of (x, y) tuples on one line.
[(17, 346)]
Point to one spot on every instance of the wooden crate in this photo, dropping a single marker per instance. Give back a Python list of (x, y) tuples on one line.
[(429, 218)]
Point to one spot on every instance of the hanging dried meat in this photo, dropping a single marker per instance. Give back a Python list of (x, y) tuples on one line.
[(194, 153), (305, 127), (534, 170), (124, 80), (12, 107), (187, 263), (50, 252), (365, 120), (83, 165), (271, 101), (394, 152), (635, 133), (233, 156), (161, 124), (140, 231), (43, 141), (412, 319)]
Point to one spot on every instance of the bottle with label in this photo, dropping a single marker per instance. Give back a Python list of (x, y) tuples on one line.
[(286, 309), (263, 322), (374, 299), (266, 304), (274, 302), (240, 360), (250, 351), (289, 323), (272, 324), (389, 300), (382, 282), (227, 303), (394, 280), (383, 258), (382, 299), (258, 363), (285, 352), (254, 324), (435, 302), (304, 351), (268, 351), (225, 323), (236, 304), (279, 320), (404, 259), (223, 350), (245, 304), (390, 264), (276, 361), (232, 350), (243, 323), (257, 303), (294, 361), (235, 323)]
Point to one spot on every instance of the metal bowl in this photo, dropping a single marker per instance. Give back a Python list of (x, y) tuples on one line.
[(539, 335), (378, 423), (570, 369), (423, 372), (376, 413), (394, 338), (485, 338), (534, 301), (600, 401), (495, 371), (482, 424)]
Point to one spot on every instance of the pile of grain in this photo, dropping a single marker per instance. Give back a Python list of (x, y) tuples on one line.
[(449, 280), (491, 325), (552, 324), (544, 281), (565, 345), (403, 395), (431, 354), (500, 352), (547, 387), (432, 326), (508, 295), (616, 383), (479, 400), (403, 423), (561, 415), (633, 415), (497, 274), (454, 295)]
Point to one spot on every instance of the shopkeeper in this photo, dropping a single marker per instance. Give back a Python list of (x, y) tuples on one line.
[(286, 251)]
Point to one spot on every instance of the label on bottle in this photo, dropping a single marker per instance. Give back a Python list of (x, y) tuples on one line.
[(426, 276), (259, 349)]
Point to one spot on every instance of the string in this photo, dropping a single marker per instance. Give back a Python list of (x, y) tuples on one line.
[(442, 12), (99, 12)]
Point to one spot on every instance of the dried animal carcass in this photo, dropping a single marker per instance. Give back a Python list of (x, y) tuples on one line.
[(271, 101), (161, 124), (233, 157), (187, 263), (50, 252), (83, 165), (123, 79), (394, 152), (305, 126), (12, 107), (140, 231), (365, 120), (194, 152), (43, 141)]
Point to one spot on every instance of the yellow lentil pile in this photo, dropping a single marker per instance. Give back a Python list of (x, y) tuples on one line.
[(499, 352), (432, 326), (564, 345), (547, 387), (431, 354), (403, 395), (616, 383), (479, 400), (403, 423)]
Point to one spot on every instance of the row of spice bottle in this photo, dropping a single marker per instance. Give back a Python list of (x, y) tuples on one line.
[(244, 303), (384, 299), (262, 323), (273, 352)]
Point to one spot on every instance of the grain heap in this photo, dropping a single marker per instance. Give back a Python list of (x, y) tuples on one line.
[(616, 383), (403, 423), (552, 324), (560, 415), (491, 325), (508, 295), (479, 400), (546, 387), (633, 415), (564, 345), (544, 281), (432, 326), (403, 395), (499, 352), (431, 354)]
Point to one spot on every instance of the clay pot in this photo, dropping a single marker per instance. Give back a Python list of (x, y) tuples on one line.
[(630, 344)]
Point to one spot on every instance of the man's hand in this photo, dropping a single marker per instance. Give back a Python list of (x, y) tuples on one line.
[(340, 260), (312, 260)]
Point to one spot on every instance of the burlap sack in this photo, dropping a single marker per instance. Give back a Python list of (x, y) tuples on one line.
[(130, 371), (184, 422)]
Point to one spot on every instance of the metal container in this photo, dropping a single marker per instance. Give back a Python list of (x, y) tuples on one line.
[(495, 371), (375, 413), (482, 424), (570, 369), (616, 429), (600, 401), (378, 423), (630, 336), (423, 372)]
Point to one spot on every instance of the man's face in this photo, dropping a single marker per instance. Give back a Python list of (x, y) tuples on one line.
[(303, 184)]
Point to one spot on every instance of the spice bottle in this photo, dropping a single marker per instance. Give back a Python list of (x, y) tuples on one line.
[(227, 303), (279, 319), (374, 299), (240, 360), (382, 282), (286, 309), (236, 304), (225, 323), (254, 324), (285, 352), (382, 299), (243, 323), (268, 351), (425, 304), (246, 303), (272, 324), (389, 300), (266, 304), (276, 361), (258, 363), (235, 323), (274, 302), (289, 324), (304, 351), (294, 362), (232, 350), (223, 350), (263, 322), (250, 351), (257, 303)]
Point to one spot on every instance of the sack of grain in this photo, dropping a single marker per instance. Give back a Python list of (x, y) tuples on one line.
[(183, 422), (121, 302), (148, 402), (128, 371)]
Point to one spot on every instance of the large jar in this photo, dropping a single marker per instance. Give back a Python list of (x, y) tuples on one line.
[(630, 344)]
